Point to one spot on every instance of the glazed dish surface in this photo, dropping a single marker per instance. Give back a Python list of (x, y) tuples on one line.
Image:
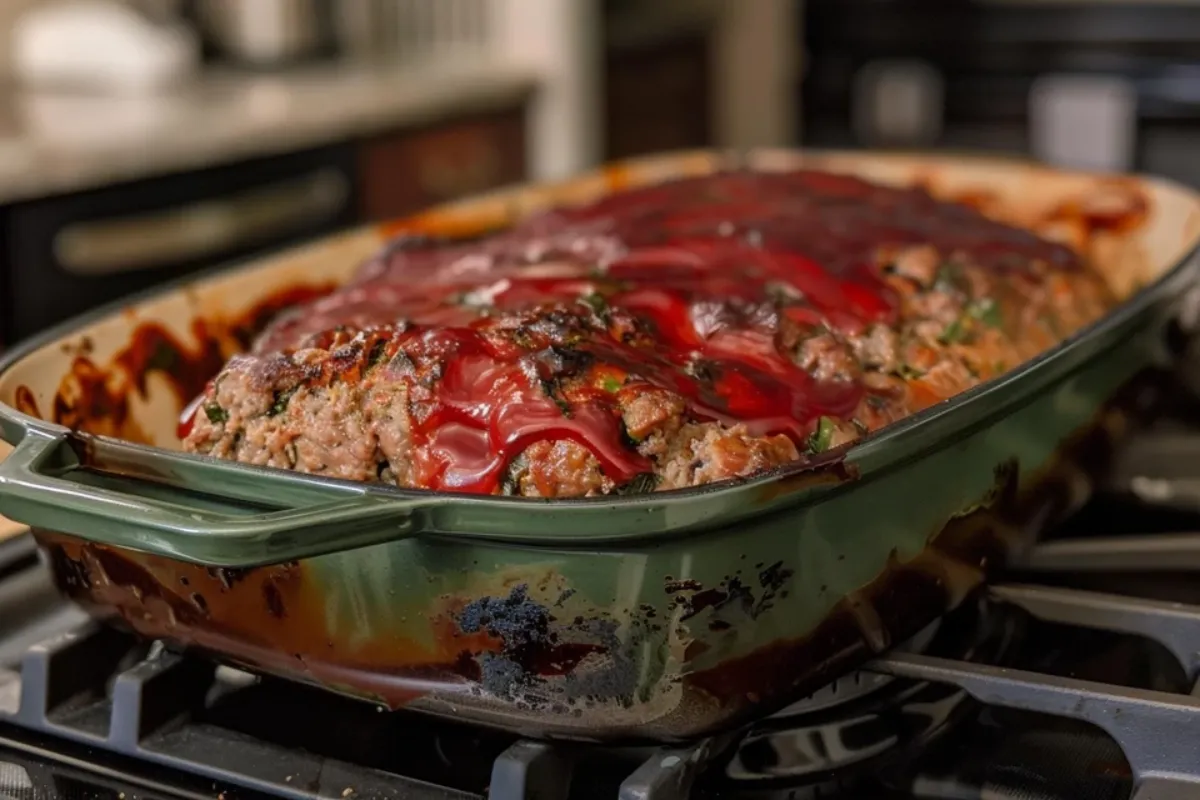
[(658, 338)]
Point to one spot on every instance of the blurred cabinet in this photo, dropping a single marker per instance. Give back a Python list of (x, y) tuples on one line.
[(406, 171), (659, 96)]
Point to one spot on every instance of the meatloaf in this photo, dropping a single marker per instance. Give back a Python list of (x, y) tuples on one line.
[(660, 338)]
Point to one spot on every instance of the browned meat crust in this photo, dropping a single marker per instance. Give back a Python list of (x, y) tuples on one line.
[(608, 349)]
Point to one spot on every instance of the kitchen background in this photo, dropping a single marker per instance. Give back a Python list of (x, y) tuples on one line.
[(141, 140)]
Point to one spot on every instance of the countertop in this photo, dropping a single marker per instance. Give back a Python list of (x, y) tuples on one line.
[(56, 143)]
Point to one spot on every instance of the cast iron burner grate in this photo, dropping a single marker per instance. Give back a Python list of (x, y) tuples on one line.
[(178, 725)]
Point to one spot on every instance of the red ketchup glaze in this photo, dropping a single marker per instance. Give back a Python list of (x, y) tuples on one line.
[(487, 410), (707, 265)]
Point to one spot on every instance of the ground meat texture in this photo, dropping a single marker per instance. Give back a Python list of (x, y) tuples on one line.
[(662, 338)]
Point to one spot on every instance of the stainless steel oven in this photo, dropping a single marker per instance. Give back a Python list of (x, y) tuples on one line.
[(64, 255), (1102, 85)]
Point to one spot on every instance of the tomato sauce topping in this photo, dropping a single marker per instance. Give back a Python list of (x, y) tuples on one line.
[(704, 267)]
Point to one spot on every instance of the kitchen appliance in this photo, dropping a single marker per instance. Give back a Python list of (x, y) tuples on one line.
[(66, 255), (662, 616), (1096, 630), (1116, 79)]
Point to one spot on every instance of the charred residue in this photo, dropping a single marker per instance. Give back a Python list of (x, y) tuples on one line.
[(535, 646), (751, 597), (227, 576)]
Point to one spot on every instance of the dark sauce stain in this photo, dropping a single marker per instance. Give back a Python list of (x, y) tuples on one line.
[(96, 399), (228, 576), (533, 648), (907, 595), (733, 592), (273, 600), (26, 403)]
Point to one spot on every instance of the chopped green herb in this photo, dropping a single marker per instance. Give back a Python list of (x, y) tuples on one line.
[(550, 387), (523, 337), (949, 277), (280, 403), (378, 351), (596, 302), (163, 358), (876, 402), (511, 483), (987, 311), (909, 372), (821, 438), (216, 415), (955, 332), (611, 384), (642, 483)]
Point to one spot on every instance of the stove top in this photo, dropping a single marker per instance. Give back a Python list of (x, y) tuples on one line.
[(1075, 679)]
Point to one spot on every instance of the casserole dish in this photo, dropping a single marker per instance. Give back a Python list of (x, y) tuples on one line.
[(661, 616)]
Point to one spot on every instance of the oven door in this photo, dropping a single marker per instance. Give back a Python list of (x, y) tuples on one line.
[(69, 254)]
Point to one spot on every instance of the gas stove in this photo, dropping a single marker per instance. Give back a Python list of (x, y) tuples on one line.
[(1076, 678)]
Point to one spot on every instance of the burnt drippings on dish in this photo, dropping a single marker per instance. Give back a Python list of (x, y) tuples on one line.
[(95, 398), (749, 592), (26, 402), (802, 309), (971, 546)]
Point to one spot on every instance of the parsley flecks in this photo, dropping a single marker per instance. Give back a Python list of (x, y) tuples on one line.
[(511, 483), (949, 277), (611, 384), (642, 483), (163, 358), (955, 332), (909, 372), (280, 403), (378, 351), (216, 415), (596, 302), (822, 437), (987, 311), (550, 387)]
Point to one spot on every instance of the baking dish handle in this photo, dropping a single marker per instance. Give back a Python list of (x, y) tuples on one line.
[(37, 490)]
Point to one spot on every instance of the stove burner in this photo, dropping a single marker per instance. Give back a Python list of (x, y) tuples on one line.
[(866, 722)]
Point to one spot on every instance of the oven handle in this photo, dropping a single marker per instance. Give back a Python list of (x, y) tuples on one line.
[(37, 488), (200, 230)]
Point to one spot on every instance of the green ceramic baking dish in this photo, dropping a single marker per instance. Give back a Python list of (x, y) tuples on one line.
[(662, 616)]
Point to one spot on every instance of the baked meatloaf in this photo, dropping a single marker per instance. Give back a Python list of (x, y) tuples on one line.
[(660, 338)]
